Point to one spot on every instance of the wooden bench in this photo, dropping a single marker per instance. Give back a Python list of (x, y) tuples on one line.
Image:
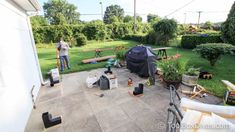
[(98, 51), (98, 59)]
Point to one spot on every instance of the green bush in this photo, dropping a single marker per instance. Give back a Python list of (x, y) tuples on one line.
[(191, 41), (81, 40), (52, 33), (166, 29), (120, 55), (213, 51), (137, 37), (151, 37), (93, 28), (172, 70), (228, 27)]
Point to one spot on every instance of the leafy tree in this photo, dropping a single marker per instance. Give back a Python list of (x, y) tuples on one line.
[(208, 25), (151, 18), (213, 51), (166, 30), (60, 11), (128, 18), (59, 19), (95, 30), (114, 19), (228, 27), (38, 21), (113, 10), (139, 18)]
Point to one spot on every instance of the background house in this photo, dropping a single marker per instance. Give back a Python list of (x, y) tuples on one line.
[(19, 66)]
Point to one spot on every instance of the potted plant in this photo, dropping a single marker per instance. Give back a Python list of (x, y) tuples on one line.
[(121, 57), (190, 77), (172, 72)]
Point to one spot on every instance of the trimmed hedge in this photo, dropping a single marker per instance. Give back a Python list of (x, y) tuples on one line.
[(94, 30), (137, 37), (213, 51), (191, 41), (52, 33), (81, 40)]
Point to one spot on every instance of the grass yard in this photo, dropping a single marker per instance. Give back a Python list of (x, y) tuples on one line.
[(47, 56), (224, 68)]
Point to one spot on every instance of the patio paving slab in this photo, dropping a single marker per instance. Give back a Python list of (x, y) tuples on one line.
[(83, 110)]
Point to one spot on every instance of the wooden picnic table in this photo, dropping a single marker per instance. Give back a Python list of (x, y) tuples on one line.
[(98, 51), (162, 51)]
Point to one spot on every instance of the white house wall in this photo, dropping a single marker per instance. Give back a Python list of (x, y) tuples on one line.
[(18, 68)]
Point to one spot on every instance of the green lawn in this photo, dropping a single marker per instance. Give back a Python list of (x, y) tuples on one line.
[(224, 68), (47, 56)]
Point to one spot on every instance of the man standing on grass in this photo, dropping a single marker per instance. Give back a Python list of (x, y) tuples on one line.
[(63, 48)]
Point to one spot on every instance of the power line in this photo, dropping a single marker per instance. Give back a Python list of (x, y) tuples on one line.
[(90, 14), (96, 14), (179, 8), (208, 11)]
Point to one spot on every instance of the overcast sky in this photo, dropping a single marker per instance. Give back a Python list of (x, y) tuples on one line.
[(212, 10)]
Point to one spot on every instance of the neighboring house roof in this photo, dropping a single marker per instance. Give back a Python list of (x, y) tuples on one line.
[(28, 5)]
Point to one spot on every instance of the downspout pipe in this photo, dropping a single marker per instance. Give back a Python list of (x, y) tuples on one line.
[(34, 49)]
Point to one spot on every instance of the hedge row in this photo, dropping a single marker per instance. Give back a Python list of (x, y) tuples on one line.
[(51, 34), (136, 37), (149, 38), (94, 30), (191, 41)]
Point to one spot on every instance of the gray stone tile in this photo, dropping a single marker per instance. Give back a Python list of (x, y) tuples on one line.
[(88, 124), (150, 122), (49, 93), (111, 118), (134, 107), (77, 117), (128, 127), (82, 109)]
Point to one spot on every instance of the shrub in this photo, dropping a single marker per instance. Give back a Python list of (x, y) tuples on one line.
[(93, 28), (52, 33), (137, 37), (228, 27), (81, 39), (191, 41), (173, 70), (212, 52), (120, 55), (101, 35), (151, 37), (193, 71), (166, 29)]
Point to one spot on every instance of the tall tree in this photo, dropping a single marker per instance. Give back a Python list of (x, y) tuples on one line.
[(152, 18), (139, 18), (208, 25), (166, 29), (113, 10), (228, 27), (128, 18), (60, 11), (38, 21)]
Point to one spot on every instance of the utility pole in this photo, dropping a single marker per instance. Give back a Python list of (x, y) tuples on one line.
[(101, 6), (185, 16), (199, 15), (134, 16)]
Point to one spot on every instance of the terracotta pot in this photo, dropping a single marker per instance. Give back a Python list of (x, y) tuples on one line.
[(176, 84)]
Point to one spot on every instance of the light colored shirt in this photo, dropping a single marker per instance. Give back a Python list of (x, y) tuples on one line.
[(63, 49)]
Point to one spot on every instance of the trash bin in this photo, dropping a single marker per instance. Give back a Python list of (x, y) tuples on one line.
[(104, 83)]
